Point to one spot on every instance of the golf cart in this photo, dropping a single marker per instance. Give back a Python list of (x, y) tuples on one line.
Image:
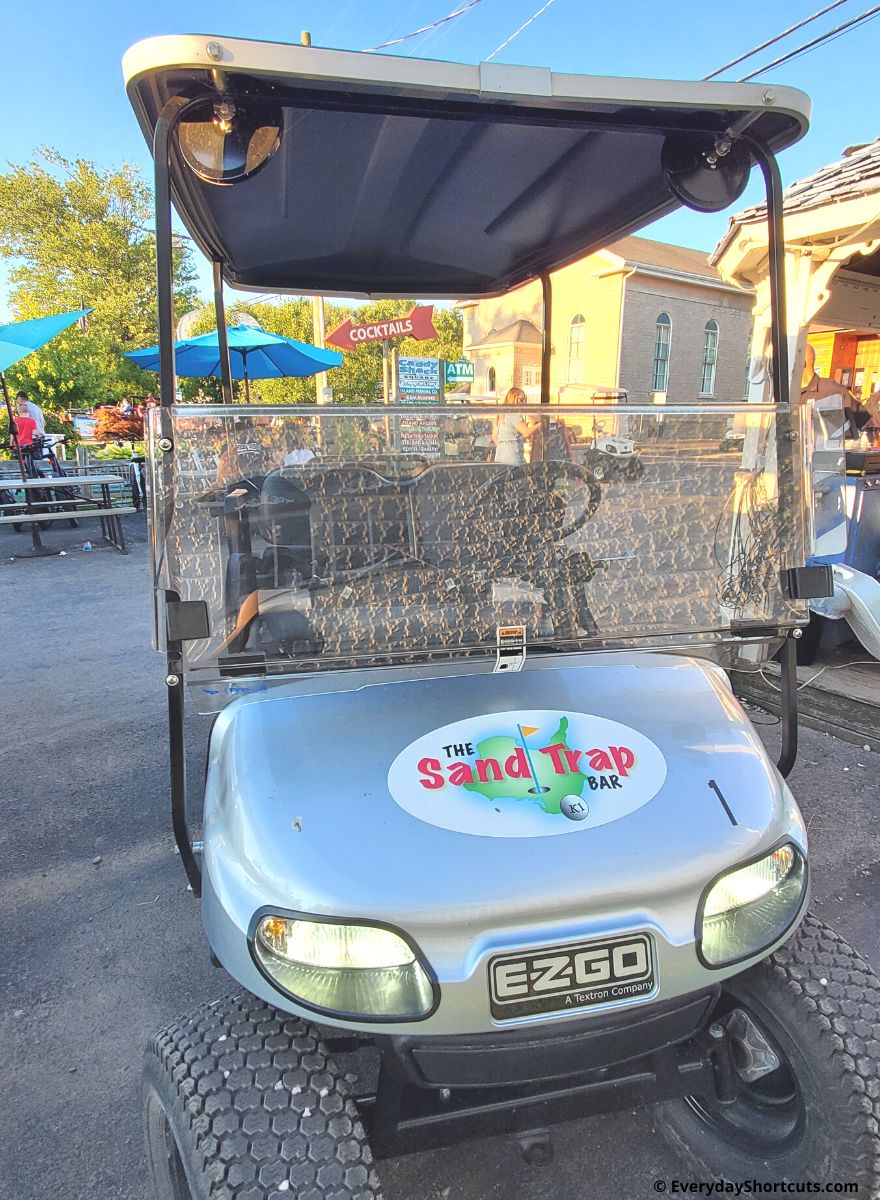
[(486, 841), (734, 435), (609, 454), (607, 449)]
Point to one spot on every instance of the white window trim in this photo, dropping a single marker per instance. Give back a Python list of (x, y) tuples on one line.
[(711, 391), (661, 385), (748, 380), (578, 321)]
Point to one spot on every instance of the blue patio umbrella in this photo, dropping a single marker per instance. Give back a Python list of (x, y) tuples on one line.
[(253, 354), (22, 338), (17, 341)]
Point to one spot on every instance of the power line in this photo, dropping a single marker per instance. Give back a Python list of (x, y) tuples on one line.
[(778, 38), (517, 32), (831, 35), (426, 28)]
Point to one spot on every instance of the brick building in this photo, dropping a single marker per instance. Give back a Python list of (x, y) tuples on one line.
[(653, 318)]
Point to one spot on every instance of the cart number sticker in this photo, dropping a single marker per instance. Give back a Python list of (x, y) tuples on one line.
[(569, 977), (533, 773)]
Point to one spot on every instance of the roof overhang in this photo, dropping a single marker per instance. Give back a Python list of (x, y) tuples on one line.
[(832, 234), (401, 176)]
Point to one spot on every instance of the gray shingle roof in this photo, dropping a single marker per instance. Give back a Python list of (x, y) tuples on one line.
[(517, 331), (647, 253), (856, 174)]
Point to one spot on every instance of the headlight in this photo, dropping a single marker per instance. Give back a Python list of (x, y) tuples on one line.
[(745, 910), (361, 971)]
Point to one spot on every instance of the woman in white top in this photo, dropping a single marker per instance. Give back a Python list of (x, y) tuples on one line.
[(512, 431)]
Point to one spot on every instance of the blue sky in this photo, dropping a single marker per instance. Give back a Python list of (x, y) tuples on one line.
[(62, 83)]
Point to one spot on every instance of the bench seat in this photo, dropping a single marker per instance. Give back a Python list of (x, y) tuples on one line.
[(24, 517)]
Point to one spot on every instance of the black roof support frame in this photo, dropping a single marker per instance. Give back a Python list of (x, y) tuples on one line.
[(162, 151)]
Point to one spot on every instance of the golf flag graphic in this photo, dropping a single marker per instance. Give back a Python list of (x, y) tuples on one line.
[(524, 731), (526, 773)]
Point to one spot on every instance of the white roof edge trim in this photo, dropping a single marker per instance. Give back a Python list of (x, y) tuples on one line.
[(683, 277), (313, 62)]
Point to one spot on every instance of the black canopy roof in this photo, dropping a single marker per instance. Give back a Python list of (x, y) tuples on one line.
[(399, 176)]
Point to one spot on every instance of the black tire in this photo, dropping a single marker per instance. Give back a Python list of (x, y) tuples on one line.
[(240, 1098), (817, 1117), (599, 471)]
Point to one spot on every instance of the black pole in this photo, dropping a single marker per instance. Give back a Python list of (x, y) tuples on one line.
[(788, 706), (786, 430), (222, 336), (38, 549), (165, 125), (540, 440), (546, 338), (247, 382), (164, 251), (776, 270), (13, 432)]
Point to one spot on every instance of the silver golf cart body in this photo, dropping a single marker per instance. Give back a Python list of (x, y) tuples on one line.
[(348, 616)]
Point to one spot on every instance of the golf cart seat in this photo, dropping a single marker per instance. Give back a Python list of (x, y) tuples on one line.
[(357, 563), (330, 519), (284, 523), (520, 517)]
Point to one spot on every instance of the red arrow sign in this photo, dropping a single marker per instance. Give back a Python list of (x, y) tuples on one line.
[(417, 324)]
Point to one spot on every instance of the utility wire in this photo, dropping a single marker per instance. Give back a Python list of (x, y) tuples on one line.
[(831, 35), (426, 28), (778, 38), (517, 32)]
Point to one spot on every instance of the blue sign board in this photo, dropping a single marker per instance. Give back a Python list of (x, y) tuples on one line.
[(460, 371)]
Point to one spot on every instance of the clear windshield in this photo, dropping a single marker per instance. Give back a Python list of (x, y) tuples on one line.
[(322, 538)]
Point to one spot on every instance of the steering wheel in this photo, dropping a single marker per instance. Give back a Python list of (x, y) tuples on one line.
[(535, 487)]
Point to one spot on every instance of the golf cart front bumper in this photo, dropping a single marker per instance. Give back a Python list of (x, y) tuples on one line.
[(303, 818)]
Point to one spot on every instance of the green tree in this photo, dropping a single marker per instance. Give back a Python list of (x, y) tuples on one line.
[(359, 379), (79, 236)]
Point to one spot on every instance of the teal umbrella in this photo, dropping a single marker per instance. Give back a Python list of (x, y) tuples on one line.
[(24, 337), (17, 341), (253, 354)]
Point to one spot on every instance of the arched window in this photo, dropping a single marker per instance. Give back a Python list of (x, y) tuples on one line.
[(710, 358), (747, 382), (490, 381), (662, 340), (577, 332)]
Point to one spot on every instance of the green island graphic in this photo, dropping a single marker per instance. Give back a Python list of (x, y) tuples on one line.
[(558, 786)]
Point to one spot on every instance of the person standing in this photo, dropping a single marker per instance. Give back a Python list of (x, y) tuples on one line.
[(512, 431), (818, 388), (25, 425), (34, 412)]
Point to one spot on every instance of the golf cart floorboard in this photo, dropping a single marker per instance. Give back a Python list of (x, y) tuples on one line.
[(850, 717)]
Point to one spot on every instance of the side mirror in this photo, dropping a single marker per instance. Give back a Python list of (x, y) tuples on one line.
[(228, 137), (705, 173)]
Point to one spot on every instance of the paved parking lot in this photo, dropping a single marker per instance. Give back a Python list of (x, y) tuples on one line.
[(100, 943)]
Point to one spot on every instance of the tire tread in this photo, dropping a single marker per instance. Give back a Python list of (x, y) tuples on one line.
[(260, 1103), (827, 993)]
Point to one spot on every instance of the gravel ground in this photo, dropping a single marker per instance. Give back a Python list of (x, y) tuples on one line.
[(100, 943)]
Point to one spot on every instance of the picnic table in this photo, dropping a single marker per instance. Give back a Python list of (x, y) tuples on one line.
[(74, 498)]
